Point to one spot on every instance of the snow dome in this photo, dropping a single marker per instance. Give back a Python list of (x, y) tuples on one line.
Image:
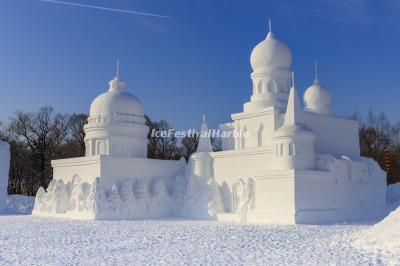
[(271, 54), (116, 125), (116, 101), (317, 98)]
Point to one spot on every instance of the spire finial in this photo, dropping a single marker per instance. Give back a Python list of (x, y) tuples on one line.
[(117, 68), (270, 25), (316, 70), (204, 118), (293, 79)]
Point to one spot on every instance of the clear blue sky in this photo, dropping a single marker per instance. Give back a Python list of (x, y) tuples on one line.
[(198, 61)]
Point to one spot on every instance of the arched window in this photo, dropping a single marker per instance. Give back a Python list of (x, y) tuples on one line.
[(88, 148), (260, 87), (291, 149), (243, 138), (259, 136), (282, 146), (100, 147)]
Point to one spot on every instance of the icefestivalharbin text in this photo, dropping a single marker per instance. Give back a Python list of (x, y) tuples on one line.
[(211, 133)]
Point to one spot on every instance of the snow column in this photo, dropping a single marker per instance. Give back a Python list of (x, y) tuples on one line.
[(4, 171)]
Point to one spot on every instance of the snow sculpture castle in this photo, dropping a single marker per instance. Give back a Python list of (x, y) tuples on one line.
[(4, 169), (288, 164), (284, 164)]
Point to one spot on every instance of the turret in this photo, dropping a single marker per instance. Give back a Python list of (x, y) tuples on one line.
[(294, 141), (201, 161)]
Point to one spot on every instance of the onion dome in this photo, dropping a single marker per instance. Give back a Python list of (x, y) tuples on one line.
[(317, 98), (270, 54)]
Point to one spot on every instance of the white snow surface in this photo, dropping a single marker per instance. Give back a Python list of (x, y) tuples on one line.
[(384, 236), (27, 240)]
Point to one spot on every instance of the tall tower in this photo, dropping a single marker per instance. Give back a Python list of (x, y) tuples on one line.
[(271, 61)]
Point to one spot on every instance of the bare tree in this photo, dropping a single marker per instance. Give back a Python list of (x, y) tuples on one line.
[(77, 134), (43, 133), (378, 134), (189, 145), (162, 147)]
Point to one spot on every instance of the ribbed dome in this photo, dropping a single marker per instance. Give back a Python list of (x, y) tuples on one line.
[(317, 98), (116, 101), (271, 54)]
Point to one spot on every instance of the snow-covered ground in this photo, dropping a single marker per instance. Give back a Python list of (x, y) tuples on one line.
[(27, 240), (384, 236)]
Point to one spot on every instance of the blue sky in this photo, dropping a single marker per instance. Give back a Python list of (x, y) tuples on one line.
[(198, 61)]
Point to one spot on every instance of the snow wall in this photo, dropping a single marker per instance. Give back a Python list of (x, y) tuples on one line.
[(355, 189), (188, 196)]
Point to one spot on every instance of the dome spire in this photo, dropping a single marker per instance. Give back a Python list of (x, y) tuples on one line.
[(117, 68), (293, 79), (270, 25), (204, 144), (117, 84), (270, 34), (316, 70)]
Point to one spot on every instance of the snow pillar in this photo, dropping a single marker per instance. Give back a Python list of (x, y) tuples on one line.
[(4, 171)]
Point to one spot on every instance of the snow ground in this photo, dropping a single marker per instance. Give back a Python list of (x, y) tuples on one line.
[(384, 236), (26, 240)]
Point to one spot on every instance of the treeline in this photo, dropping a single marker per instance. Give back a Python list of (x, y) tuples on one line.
[(378, 135), (36, 138)]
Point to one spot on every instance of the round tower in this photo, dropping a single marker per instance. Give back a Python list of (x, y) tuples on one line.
[(116, 125), (271, 61)]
